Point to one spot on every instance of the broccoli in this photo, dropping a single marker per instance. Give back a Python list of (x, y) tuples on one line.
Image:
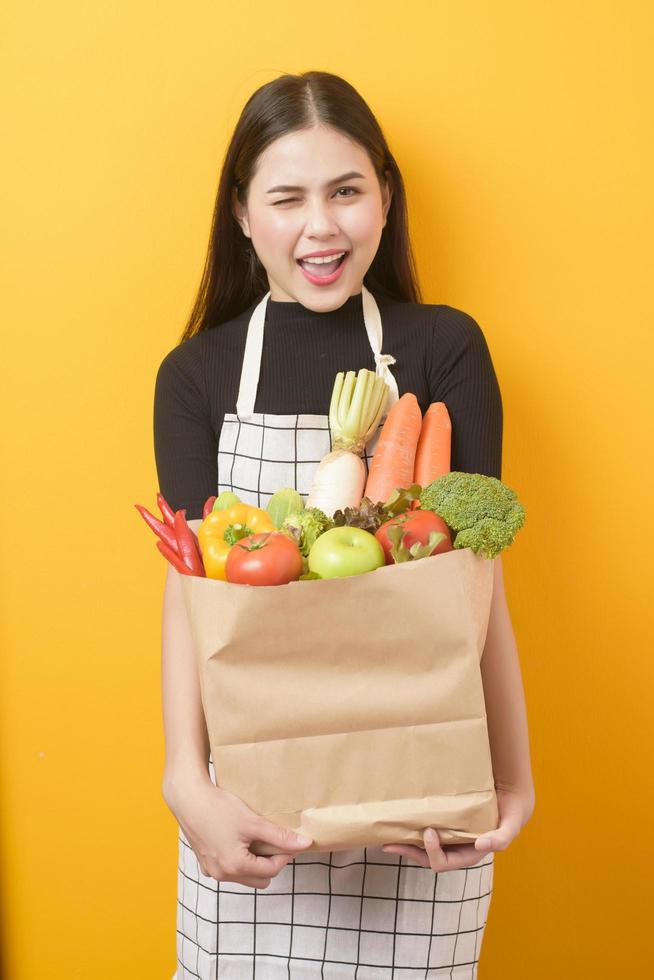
[(485, 513), (305, 527)]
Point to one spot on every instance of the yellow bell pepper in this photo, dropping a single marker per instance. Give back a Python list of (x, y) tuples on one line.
[(222, 528)]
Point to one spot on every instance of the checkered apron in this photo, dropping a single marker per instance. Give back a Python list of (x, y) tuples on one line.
[(360, 914)]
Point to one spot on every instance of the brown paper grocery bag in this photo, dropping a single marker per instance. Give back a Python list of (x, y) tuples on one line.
[(352, 709)]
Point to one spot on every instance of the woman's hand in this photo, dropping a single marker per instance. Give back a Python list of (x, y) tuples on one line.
[(515, 809), (220, 828)]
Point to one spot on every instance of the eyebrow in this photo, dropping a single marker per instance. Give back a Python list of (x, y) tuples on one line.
[(292, 187)]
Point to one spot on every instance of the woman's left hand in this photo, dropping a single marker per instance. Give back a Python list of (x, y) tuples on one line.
[(515, 809)]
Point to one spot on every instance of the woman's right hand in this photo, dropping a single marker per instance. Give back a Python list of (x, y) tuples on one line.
[(220, 828)]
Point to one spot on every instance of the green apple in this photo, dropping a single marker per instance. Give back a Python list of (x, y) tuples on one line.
[(343, 551)]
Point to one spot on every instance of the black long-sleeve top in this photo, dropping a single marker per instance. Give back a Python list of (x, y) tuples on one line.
[(441, 354)]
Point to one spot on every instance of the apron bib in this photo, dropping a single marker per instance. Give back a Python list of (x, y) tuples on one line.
[(296, 927), (259, 453)]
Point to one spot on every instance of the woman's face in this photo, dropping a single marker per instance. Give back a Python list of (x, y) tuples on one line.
[(304, 198)]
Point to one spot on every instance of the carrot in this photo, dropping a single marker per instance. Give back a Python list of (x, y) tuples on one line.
[(394, 457), (434, 445)]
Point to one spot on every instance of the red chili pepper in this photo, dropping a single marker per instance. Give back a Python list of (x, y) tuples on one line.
[(166, 533), (166, 510), (173, 558), (186, 545), (208, 505)]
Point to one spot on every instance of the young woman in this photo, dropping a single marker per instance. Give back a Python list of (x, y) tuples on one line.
[(310, 242)]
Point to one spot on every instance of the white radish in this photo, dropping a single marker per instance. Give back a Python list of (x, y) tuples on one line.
[(338, 483), (356, 409)]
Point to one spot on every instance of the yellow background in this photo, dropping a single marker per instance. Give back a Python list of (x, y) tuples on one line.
[(522, 134)]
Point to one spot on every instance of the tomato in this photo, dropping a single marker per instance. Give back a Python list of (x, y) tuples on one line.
[(270, 558), (417, 525)]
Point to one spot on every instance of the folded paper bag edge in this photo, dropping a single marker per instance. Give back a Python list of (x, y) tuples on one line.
[(337, 828)]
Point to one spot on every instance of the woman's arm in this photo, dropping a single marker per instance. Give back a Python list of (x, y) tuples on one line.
[(218, 825), (185, 731), (185, 452), (505, 702)]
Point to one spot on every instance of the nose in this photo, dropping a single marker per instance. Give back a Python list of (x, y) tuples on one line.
[(320, 221)]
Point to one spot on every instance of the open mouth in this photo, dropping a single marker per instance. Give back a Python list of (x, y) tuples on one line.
[(322, 272)]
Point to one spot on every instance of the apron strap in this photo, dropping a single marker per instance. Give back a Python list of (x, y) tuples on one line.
[(251, 368), (372, 320)]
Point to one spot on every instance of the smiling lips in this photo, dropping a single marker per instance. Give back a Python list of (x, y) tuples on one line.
[(323, 270)]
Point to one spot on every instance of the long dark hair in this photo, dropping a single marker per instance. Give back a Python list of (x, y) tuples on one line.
[(233, 276)]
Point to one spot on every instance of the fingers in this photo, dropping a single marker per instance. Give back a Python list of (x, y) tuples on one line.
[(257, 865), (452, 857), (242, 864), (438, 858), (252, 882), (282, 837), (248, 867), (494, 843), (238, 874), (257, 881), (500, 839)]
